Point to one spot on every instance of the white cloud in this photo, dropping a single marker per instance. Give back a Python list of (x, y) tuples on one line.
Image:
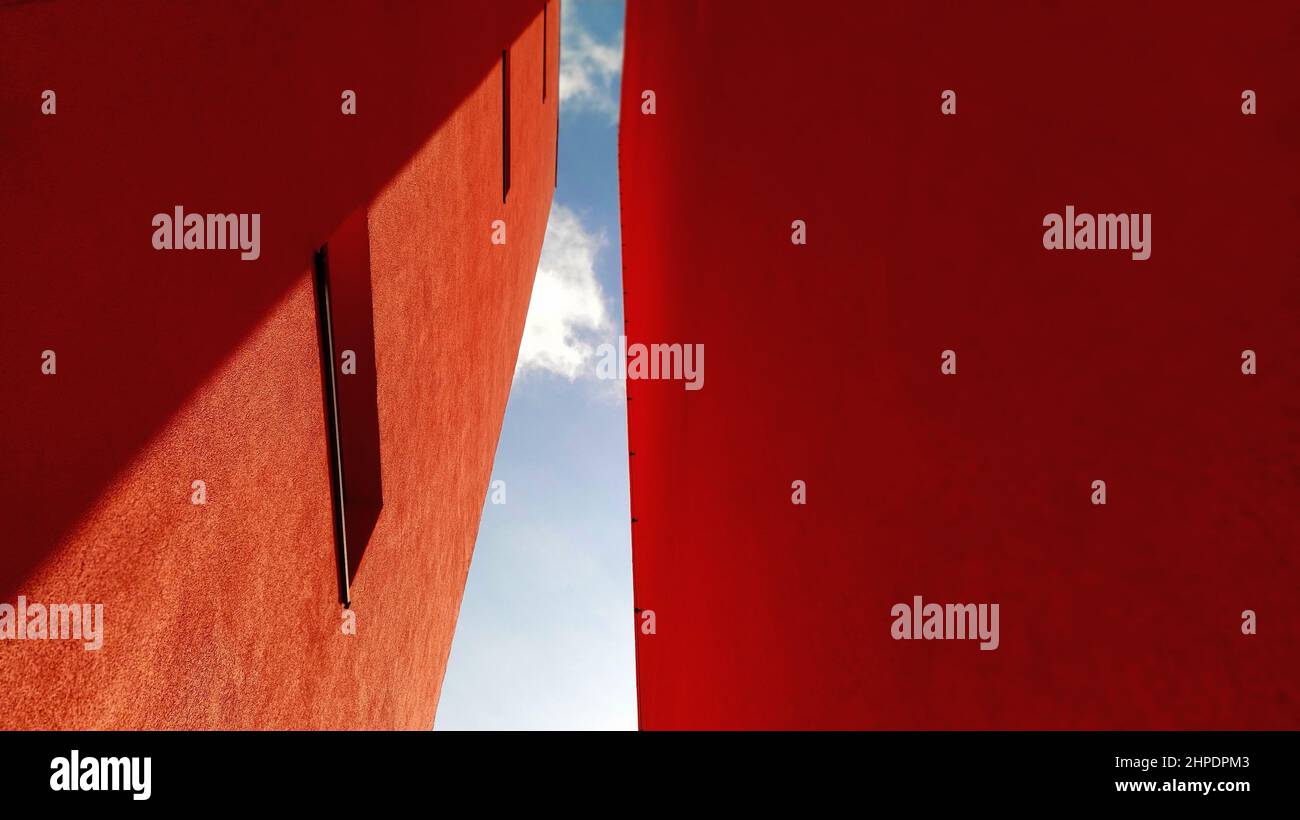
[(567, 308), (589, 68)]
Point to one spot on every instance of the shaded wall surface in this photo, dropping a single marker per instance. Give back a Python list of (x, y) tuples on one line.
[(184, 365), (924, 234)]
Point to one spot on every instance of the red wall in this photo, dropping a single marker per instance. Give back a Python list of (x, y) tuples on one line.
[(924, 234), (183, 365)]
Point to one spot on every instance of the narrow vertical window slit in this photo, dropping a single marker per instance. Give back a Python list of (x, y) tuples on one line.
[(505, 124)]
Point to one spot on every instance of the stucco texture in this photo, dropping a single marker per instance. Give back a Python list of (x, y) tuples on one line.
[(924, 234), (175, 366)]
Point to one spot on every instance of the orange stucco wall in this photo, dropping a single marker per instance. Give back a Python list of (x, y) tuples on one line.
[(175, 366)]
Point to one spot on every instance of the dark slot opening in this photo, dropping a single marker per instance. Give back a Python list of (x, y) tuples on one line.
[(505, 124), (346, 314)]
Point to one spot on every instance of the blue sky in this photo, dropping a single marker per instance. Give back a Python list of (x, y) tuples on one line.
[(544, 639)]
